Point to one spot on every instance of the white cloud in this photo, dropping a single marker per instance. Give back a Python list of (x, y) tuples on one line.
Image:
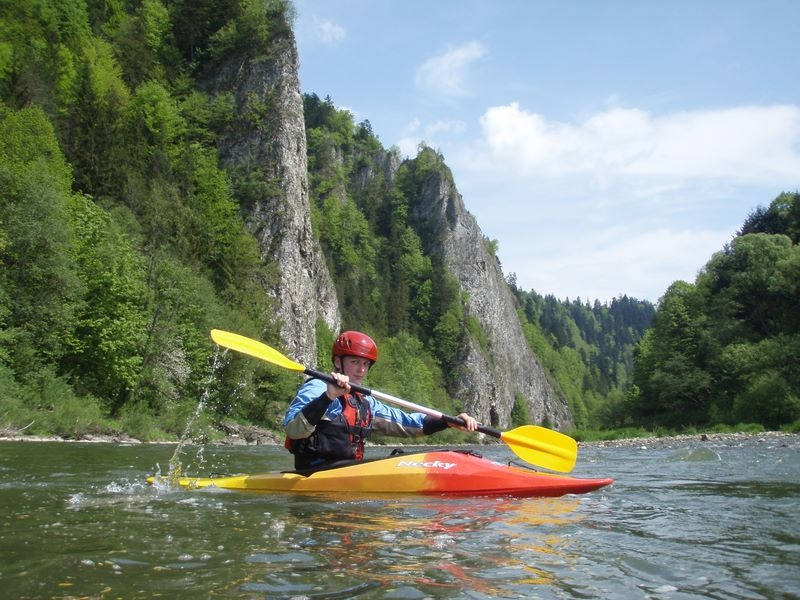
[(415, 132), (445, 126), (745, 144), (446, 73), (622, 201), (410, 138), (408, 146), (329, 32), (412, 126)]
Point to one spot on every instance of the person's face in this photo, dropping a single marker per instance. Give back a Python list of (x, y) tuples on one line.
[(355, 367)]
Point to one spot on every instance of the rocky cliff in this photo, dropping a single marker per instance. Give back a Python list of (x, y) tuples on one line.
[(265, 150), (491, 377)]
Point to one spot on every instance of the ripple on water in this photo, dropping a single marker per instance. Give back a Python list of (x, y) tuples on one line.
[(696, 454), (676, 525), (285, 558)]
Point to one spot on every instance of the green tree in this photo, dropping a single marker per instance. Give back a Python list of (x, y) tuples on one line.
[(752, 288), (726, 349), (110, 327), (94, 122), (41, 286), (675, 387), (519, 412), (143, 41), (40, 51), (781, 217), (751, 292)]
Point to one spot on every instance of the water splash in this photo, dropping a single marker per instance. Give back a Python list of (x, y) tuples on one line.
[(174, 466)]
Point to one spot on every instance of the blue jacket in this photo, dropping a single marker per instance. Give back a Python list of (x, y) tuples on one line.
[(312, 405)]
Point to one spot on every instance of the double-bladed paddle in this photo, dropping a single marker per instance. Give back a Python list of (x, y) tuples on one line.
[(536, 445)]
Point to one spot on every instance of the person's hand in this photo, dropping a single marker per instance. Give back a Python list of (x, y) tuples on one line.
[(470, 423), (340, 387)]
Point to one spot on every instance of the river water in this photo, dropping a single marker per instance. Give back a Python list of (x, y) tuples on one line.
[(690, 520)]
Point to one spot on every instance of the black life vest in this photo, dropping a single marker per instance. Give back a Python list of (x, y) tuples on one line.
[(339, 439)]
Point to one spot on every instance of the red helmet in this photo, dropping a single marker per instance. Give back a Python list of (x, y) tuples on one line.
[(355, 343)]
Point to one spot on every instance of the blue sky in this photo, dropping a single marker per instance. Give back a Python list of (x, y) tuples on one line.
[(609, 147)]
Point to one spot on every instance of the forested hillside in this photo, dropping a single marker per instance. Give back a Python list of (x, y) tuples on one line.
[(726, 349), (588, 349), (123, 241)]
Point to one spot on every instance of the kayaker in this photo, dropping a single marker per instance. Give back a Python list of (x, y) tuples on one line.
[(326, 423)]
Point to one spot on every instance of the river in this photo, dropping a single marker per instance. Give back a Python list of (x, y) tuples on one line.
[(690, 519)]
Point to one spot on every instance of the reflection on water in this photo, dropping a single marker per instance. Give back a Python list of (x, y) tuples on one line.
[(78, 521), (417, 543), (426, 545)]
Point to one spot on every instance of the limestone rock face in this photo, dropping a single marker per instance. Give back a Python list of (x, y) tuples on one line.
[(266, 147), (491, 377)]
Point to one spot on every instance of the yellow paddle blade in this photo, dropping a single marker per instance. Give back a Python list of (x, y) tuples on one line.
[(543, 447), (245, 345)]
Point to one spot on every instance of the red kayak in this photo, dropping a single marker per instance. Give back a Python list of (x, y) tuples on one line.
[(438, 472)]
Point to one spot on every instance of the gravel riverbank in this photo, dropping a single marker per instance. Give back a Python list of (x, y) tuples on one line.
[(249, 435), (769, 438)]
